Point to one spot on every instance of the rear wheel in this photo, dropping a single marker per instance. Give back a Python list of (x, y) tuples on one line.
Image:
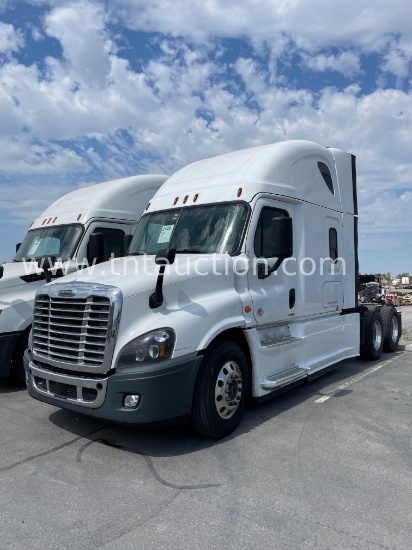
[(391, 327), (372, 346), (222, 390)]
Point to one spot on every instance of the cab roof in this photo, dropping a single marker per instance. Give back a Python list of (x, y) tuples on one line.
[(287, 168), (124, 198)]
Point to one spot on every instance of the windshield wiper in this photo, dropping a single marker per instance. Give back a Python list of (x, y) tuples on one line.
[(190, 251)]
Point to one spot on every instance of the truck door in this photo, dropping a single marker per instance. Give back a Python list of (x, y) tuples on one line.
[(273, 297)]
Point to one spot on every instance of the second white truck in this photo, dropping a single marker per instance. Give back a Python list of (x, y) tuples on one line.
[(109, 211), (256, 292)]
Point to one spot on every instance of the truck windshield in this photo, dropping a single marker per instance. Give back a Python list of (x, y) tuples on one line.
[(50, 241), (215, 228)]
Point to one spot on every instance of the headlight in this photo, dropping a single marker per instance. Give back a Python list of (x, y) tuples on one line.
[(151, 347)]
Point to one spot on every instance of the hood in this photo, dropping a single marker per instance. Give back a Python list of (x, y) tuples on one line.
[(138, 274), (13, 272)]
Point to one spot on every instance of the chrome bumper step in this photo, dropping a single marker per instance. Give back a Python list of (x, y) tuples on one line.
[(86, 392)]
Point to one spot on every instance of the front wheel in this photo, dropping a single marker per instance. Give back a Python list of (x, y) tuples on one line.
[(221, 391)]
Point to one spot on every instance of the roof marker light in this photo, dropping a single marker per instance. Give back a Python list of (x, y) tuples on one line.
[(78, 217), (185, 199), (50, 219), (44, 221), (31, 224), (239, 191), (195, 197), (148, 206), (175, 201), (55, 219)]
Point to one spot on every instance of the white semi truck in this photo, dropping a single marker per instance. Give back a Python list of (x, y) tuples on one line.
[(109, 211), (256, 293)]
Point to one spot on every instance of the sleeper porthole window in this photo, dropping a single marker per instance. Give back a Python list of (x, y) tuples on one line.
[(326, 175)]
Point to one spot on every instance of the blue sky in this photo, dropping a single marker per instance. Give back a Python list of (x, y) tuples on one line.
[(92, 90)]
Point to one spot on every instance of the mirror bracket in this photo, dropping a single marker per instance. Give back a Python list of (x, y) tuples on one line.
[(164, 257)]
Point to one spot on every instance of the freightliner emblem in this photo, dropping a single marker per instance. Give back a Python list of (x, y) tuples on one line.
[(66, 292)]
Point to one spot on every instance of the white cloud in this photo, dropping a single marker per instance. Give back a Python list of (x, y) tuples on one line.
[(398, 59), (406, 197), (347, 63), (11, 40), (22, 157), (36, 33), (80, 28), (312, 25)]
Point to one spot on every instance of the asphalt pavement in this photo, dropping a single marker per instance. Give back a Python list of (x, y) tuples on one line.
[(327, 465)]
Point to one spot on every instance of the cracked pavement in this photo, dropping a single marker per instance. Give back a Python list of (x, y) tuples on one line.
[(325, 465)]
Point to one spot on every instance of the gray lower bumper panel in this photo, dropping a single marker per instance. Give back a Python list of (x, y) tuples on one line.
[(164, 392)]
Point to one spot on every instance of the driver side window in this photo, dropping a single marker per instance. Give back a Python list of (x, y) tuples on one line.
[(262, 244)]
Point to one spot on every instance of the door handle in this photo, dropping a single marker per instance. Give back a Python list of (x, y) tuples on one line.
[(292, 296)]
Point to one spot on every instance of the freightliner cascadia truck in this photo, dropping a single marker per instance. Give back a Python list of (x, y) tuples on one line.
[(255, 291), (108, 211)]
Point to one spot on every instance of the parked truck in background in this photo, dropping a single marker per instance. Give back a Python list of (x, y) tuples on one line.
[(256, 293), (109, 211)]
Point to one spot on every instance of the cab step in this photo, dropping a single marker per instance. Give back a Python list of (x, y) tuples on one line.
[(284, 378), (280, 341)]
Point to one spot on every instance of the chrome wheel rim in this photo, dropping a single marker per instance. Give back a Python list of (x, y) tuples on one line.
[(228, 389), (377, 334), (394, 329)]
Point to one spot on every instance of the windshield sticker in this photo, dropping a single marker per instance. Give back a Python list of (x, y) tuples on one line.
[(165, 233), (34, 246)]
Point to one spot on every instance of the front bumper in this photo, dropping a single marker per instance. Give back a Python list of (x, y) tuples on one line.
[(7, 343), (165, 392)]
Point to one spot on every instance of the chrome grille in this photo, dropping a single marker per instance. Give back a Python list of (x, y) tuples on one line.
[(71, 330)]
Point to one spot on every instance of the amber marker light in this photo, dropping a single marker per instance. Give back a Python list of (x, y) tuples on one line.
[(195, 197), (239, 191), (175, 201), (78, 217), (185, 199), (248, 309), (44, 221), (50, 219), (148, 206), (55, 219)]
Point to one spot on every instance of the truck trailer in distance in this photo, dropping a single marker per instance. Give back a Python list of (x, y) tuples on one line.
[(255, 291), (109, 211)]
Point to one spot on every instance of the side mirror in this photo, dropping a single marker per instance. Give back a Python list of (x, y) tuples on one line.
[(46, 263), (164, 257), (18, 245), (282, 238), (282, 245), (127, 239), (95, 248)]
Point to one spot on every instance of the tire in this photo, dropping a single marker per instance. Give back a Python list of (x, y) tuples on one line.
[(215, 412), (17, 366), (392, 328), (371, 349)]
